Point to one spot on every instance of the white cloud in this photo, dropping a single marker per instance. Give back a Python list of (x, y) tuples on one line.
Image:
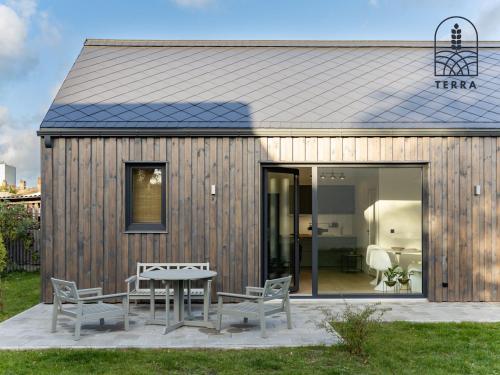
[(25, 8), (4, 115), (13, 32), (23, 31), (487, 23), (193, 3), (19, 146), (49, 29)]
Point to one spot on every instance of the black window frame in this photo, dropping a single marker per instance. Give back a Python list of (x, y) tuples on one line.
[(130, 226)]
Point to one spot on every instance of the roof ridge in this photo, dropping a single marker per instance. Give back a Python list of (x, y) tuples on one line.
[(270, 43)]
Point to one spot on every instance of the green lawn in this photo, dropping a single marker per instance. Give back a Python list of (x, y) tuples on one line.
[(21, 290), (396, 348)]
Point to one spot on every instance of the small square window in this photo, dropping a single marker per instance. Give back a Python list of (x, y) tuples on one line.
[(146, 198)]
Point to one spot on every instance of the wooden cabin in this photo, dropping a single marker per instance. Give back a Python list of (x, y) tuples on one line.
[(331, 161)]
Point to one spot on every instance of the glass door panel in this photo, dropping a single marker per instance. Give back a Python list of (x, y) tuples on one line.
[(281, 256), (369, 219)]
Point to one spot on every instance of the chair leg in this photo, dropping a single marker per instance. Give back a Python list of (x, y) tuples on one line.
[(262, 320), (54, 316), (78, 326), (374, 281), (126, 309), (219, 315), (126, 322), (288, 314)]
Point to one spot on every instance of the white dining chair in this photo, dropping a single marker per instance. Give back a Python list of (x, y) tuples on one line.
[(380, 261), (369, 251)]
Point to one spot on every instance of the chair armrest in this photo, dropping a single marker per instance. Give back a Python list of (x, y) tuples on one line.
[(254, 290), (103, 297), (131, 279), (240, 296), (85, 292), (130, 283)]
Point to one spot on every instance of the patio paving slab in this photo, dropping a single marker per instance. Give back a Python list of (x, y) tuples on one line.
[(31, 329)]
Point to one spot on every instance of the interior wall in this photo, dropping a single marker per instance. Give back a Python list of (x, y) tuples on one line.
[(399, 208), (364, 182)]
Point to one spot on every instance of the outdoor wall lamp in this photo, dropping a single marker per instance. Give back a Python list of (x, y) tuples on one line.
[(477, 190)]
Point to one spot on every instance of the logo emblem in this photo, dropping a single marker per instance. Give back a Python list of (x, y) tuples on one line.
[(456, 48)]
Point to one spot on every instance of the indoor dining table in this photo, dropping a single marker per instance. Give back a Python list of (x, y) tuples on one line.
[(179, 279), (408, 255)]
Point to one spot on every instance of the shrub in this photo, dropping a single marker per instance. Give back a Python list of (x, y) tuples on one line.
[(354, 325), (3, 255), (3, 264), (16, 223)]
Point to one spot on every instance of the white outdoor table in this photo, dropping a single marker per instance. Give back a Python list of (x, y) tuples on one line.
[(178, 278)]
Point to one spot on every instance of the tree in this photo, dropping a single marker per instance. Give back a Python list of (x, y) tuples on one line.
[(8, 188)]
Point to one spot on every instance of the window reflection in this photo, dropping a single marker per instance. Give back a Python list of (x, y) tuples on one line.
[(146, 195)]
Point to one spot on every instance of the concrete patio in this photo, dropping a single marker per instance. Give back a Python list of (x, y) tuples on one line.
[(31, 329)]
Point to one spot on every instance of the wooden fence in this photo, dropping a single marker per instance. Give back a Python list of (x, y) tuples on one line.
[(21, 259)]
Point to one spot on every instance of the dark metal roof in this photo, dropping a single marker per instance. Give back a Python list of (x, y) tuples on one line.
[(120, 84)]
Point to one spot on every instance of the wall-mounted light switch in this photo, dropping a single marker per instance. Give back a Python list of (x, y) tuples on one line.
[(477, 189), (212, 190)]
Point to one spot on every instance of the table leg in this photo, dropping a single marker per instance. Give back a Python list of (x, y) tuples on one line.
[(167, 304), (206, 300), (189, 297), (181, 300), (178, 300), (178, 307), (152, 299)]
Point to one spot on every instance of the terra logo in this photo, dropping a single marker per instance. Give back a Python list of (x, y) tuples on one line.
[(456, 53)]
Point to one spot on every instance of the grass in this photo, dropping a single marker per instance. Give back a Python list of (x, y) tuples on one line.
[(409, 348), (395, 348), (21, 290)]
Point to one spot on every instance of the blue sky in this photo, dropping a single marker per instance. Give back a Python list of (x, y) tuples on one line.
[(40, 39)]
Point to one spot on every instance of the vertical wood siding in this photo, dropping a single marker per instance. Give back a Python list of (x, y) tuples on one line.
[(83, 199)]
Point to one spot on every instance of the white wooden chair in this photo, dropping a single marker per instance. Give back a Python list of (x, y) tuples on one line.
[(85, 304), (138, 287), (256, 303)]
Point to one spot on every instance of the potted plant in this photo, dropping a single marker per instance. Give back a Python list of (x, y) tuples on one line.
[(391, 274), (403, 277)]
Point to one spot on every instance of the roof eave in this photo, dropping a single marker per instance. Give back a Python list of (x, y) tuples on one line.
[(268, 132), (272, 43)]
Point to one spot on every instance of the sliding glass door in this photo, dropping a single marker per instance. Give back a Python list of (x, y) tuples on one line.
[(339, 230)]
